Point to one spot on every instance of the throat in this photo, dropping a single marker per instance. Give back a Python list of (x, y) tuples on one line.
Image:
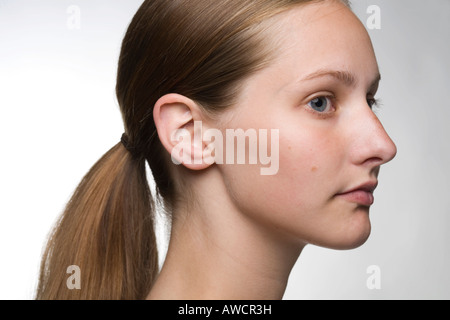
[(227, 264)]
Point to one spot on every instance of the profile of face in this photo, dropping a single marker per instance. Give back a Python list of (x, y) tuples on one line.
[(318, 92)]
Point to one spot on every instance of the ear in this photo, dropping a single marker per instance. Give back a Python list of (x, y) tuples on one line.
[(179, 123)]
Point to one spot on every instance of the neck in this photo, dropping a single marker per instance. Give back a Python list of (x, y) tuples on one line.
[(222, 254)]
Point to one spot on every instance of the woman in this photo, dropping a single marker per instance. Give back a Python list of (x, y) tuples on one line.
[(303, 75)]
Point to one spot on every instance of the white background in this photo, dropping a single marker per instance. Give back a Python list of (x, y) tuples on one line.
[(59, 116)]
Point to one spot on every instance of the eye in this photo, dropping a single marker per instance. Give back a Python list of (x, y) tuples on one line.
[(321, 104)]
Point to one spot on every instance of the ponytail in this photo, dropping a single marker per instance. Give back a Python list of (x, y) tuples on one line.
[(107, 230)]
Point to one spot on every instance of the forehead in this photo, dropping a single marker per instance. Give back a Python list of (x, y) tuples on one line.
[(320, 36)]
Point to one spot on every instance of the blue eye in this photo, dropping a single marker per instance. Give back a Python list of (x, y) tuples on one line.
[(320, 104)]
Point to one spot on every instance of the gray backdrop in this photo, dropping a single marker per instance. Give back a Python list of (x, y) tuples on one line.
[(59, 115)]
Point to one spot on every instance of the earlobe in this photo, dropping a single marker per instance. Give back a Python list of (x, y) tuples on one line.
[(178, 121)]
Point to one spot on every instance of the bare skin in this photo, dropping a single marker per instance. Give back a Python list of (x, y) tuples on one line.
[(244, 232)]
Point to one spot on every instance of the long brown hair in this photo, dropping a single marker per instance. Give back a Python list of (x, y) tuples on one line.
[(202, 49)]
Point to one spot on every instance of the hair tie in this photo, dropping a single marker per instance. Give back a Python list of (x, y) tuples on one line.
[(126, 143)]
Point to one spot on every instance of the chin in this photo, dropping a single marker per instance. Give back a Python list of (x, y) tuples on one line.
[(355, 241), (358, 232), (350, 236)]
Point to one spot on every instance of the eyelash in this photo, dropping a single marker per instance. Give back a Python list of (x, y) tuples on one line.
[(375, 104)]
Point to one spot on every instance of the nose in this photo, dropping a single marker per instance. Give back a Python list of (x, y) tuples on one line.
[(371, 146)]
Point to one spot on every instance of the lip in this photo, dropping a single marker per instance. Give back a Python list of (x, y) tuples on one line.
[(362, 194)]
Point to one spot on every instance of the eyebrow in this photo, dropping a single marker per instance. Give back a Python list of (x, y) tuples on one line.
[(343, 76)]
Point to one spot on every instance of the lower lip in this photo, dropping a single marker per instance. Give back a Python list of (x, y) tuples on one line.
[(360, 197)]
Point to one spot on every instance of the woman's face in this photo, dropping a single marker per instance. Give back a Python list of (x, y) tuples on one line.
[(318, 93)]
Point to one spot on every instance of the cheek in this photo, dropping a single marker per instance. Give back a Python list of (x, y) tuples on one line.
[(309, 165), (301, 188)]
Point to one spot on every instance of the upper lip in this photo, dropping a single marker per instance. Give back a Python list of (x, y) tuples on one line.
[(367, 187)]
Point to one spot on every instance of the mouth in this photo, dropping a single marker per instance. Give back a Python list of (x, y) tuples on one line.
[(362, 195)]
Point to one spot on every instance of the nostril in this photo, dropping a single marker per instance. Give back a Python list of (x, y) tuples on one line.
[(374, 162)]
